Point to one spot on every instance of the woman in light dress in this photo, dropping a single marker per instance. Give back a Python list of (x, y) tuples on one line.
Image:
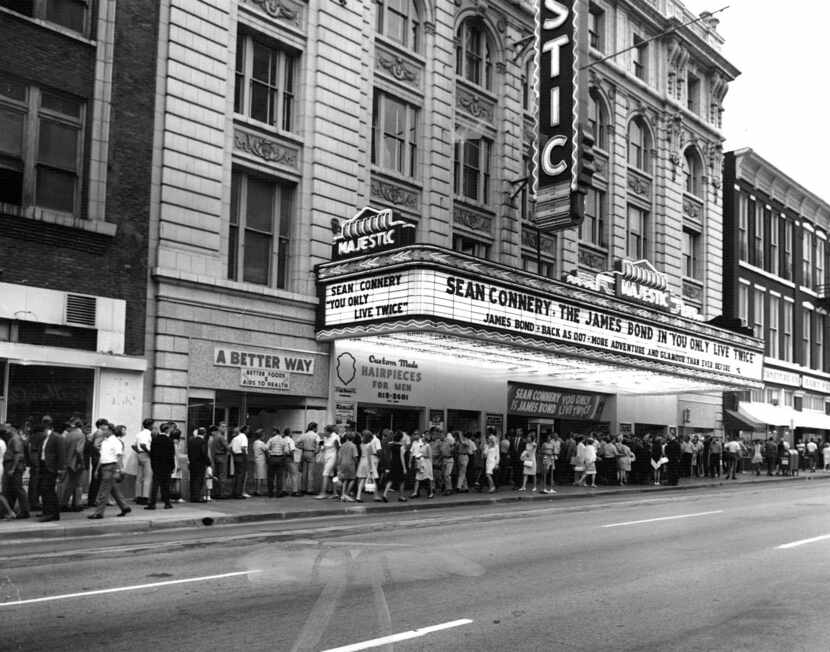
[(421, 460), (367, 468), (260, 462), (492, 458), (528, 459), (625, 457), (589, 464), (330, 446)]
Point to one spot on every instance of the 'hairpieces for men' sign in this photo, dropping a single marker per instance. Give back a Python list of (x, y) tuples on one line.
[(557, 167)]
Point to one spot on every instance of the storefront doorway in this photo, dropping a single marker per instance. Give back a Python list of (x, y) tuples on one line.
[(378, 417)]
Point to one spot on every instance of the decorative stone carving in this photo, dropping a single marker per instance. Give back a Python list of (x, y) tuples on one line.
[(639, 185), (394, 194), (429, 28), (472, 220), (692, 209), (397, 67), (500, 67), (278, 9), (265, 148), (593, 259), (473, 104), (692, 291), (547, 244), (501, 24)]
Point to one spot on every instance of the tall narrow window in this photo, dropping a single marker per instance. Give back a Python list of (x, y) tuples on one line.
[(14, 105), (691, 245), (265, 82), (259, 234), (818, 343), (639, 57), (758, 308), (743, 227), (806, 337), (638, 225), (819, 280), (773, 334), (593, 225), (639, 145), (693, 93), (774, 260), (743, 304), (527, 85), (474, 59), (394, 134), (597, 120), (787, 340), (596, 27), (472, 169), (758, 235), (398, 20), (694, 172), (787, 270), (807, 259)]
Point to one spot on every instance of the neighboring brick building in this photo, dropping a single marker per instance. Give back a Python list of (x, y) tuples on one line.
[(76, 119), (775, 282), (277, 121)]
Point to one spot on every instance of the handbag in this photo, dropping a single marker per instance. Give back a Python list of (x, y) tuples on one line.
[(370, 486), (579, 468), (528, 464)]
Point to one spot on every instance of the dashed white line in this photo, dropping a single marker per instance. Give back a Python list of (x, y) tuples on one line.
[(121, 589), (403, 636), (802, 542), (664, 518)]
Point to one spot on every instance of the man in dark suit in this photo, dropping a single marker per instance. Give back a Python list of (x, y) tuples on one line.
[(52, 467), (674, 453), (198, 462), (162, 461), (517, 447), (34, 446), (73, 456)]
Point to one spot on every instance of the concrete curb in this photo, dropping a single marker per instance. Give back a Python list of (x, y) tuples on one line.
[(127, 526)]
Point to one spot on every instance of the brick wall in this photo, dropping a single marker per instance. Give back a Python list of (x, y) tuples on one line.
[(69, 259)]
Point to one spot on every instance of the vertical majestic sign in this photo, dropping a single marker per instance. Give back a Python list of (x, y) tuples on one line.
[(557, 148)]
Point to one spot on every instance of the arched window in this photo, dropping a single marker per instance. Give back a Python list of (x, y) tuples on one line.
[(597, 120), (399, 21), (474, 54), (639, 145), (693, 169)]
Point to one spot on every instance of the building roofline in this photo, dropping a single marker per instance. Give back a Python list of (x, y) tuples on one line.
[(761, 173)]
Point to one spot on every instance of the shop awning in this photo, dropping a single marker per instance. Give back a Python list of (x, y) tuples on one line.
[(812, 419), (772, 415), (745, 423)]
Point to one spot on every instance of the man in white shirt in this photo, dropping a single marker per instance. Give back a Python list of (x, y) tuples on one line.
[(239, 450), (144, 474), (110, 468), (309, 445), (812, 454)]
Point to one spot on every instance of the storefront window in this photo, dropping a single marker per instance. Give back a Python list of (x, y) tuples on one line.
[(60, 392), (463, 420)]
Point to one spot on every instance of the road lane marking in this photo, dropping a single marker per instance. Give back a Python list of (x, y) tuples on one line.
[(664, 518), (803, 542), (403, 636), (121, 589)]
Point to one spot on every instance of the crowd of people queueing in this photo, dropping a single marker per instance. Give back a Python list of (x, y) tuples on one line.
[(77, 466)]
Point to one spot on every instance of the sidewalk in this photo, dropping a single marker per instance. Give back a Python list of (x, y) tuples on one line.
[(222, 512)]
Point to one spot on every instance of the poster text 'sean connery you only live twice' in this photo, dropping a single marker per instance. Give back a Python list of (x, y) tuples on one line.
[(443, 295)]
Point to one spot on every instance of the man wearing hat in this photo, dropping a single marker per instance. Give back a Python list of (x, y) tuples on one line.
[(198, 461), (73, 457)]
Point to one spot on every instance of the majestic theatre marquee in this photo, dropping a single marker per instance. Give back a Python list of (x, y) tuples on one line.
[(459, 298)]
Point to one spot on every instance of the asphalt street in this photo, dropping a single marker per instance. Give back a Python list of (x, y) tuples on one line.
[(741, 568)]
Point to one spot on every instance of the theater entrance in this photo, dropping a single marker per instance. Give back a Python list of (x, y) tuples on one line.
[(378, 417)]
